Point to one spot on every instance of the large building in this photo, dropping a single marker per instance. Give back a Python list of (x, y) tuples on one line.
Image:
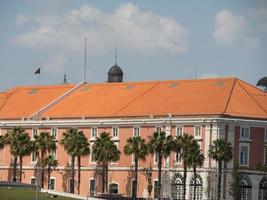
[(209, 109)]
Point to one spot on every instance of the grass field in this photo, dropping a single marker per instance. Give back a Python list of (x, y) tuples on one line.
[(25, 194)]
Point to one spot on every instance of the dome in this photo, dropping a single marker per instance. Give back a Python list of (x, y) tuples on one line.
[(115, 74)]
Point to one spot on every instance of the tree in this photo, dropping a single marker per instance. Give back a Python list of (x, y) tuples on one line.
[(263, 83), (235, 189), (44, 144), (182, 146), (104, 152), (160, 145), (136, 146), (20, 146), (82, 149), (196, 159), (148, 174), (220, 151), (50, 162), (2, 142)]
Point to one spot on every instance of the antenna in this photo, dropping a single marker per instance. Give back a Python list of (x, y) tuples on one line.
[(85, 39), (116, 52)]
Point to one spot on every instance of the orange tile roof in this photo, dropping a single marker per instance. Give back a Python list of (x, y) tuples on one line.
[(21, 102), (202, 97)]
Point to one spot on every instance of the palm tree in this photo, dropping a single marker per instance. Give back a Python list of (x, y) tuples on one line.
[(221, 151), (45, 143), (104, 152), (83, 149), (161, 145), (182, 146), (68, 141), (137, 147), (50, 162), (196, 159), (20, 146)]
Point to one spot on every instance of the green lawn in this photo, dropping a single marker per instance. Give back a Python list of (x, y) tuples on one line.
[(25, 194)]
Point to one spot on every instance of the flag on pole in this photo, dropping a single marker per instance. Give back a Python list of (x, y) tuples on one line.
[(38, 71)]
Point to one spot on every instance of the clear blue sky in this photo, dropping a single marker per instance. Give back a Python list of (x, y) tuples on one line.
[(157, 39)]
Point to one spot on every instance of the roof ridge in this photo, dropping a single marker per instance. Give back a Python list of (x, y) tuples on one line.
[(139, 96), (252, 97), (230, 95)]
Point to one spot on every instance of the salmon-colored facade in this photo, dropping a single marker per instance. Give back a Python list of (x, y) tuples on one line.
[(208, 109)]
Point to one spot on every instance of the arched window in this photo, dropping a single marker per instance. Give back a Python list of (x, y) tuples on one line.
[(199, 187), (246, 188), (177, 187), (263, 189), (113, 188)]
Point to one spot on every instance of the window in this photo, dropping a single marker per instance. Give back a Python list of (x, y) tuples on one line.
[(33, 157), (52, 183), (113, 188), (33, 181), (115, 132), (177, 188), (197, 131), (71, 185), (265, 136), (92, 187), (244, 150), (263, 189), (54, 154), (199, 187), (246, 188), (34, 132), (54, 133), (265, 156), (244, 133), (158, 129), (179, 130), (156, 186), (92, 157), (132, 187), (94, 132), (178, 158), (156, 158), (136, 131)]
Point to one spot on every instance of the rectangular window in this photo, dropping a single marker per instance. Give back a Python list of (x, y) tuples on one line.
[(92, 158), (71, 185), (197, 131), (179, 130), (178, 158), (54, 132), (93, 132), (244, 134), (115, 132), (136, 131), (33, 181), (265, 156), (52, 183), (92, 187), (132, 186), (54, 154), (156, 158), (34, 132), (156, 189), (265, 134), (158, 129), (33, 157), (244, 155)]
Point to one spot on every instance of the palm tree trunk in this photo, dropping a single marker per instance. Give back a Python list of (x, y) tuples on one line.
[(48, 176), (42, 177), (72, 173), (136, 177), (159, 175), (79, 174), (103, 178), (20, 168), (106, 186), (15, 169), (195, 181), (219, 180), (184, 183)]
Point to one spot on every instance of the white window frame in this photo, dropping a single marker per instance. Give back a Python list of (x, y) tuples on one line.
[(195, 131), (91, 154), (94, 128), (54, 153), (139, 131), (156, 158), (118, 132), (182, 129), (34, 152), (177, 161), (244, 138), (113, 182), (33, 132), (56, 131), (31, 178), (265, 135), (132, 181), (248, 146), (265, 156), (118, 147), (154, 180), (54, 178)]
